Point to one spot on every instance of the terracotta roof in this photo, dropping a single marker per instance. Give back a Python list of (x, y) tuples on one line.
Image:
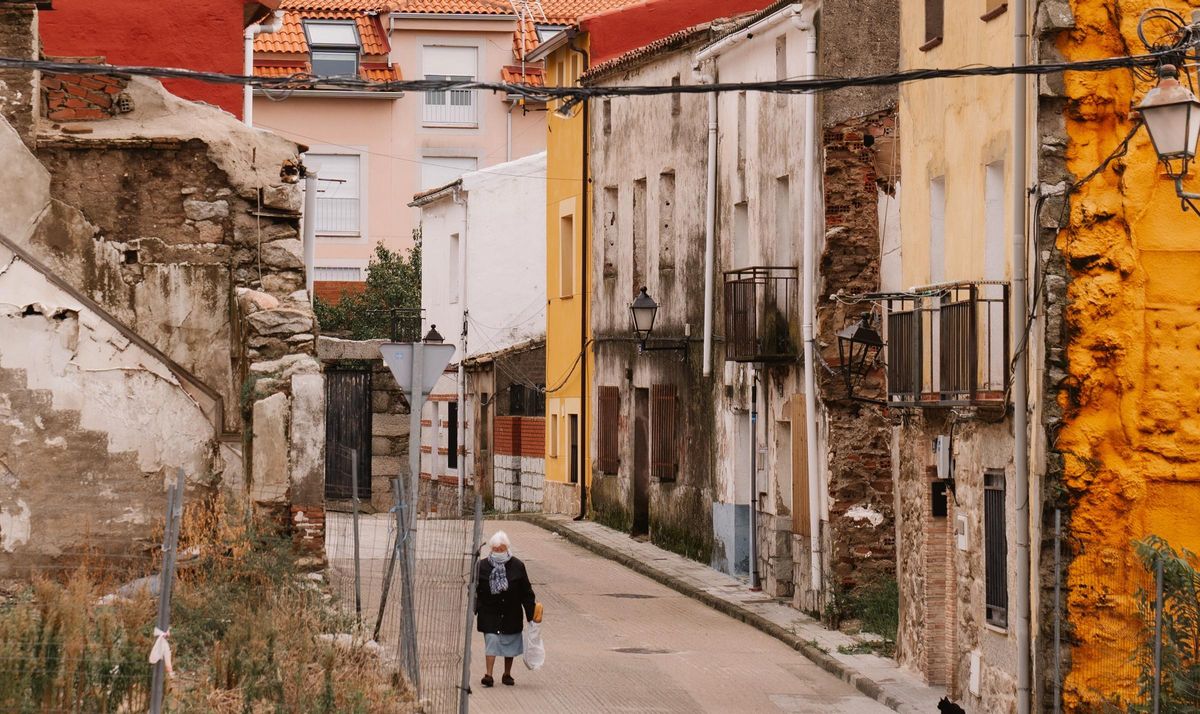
[(534, 77), (455, 7), (371, 72), (291, 40), (339, 5), (633, 58)]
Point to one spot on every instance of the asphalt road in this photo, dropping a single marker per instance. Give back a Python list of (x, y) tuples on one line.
[(617, 641)]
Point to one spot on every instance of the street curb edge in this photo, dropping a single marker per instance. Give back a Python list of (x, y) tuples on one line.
[(862, 683)]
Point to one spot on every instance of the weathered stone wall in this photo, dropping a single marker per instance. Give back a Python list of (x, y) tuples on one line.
[(18, 88), (150, 251), (861, 519), (644, 158)]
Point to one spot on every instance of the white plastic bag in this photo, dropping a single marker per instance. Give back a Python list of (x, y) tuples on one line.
[(535, 650)]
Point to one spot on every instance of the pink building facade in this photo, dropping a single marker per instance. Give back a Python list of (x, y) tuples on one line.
[(374, 150)]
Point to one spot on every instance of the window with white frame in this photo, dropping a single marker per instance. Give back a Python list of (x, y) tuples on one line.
[(337, 274), (333, 46), (438, 171), (339, 194), (456, 107)]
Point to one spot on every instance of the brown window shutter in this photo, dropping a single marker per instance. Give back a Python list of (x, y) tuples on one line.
[(608, 458), (934, 19), (664, 420)]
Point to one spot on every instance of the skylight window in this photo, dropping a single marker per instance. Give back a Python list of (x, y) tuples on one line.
[(334, 47)]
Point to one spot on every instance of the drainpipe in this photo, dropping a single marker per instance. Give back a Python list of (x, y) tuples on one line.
[(273, 25), (584, 212), (816, 485), (310, 228), (710, 222), (462, 361), (512, 104), (754, 585), (1020, 377)]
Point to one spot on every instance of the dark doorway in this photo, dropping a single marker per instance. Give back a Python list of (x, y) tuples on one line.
[(573, 425), (347, 428), (452, 429), (641, 462)]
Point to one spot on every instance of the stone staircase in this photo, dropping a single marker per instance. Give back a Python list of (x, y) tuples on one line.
[(62, 484)]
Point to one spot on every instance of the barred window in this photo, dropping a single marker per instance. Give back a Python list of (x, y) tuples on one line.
[(664, 431), (995, 540), (608, 459)]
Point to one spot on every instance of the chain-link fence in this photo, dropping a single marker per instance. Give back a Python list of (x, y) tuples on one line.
[(409, 594), (1126, 628)]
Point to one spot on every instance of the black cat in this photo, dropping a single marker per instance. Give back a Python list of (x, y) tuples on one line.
[(948, 707)]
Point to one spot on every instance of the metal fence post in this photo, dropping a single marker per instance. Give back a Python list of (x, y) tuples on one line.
[(354, 519), (1158, 627), (408, 632), (464, 693), (166, 580), (1057, 610)]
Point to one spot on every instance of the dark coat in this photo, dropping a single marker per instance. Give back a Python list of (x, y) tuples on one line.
[(502, 613)]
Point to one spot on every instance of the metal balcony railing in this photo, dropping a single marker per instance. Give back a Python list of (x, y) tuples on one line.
[(760, 314), (338, 216), (455, 107), (948, 345)]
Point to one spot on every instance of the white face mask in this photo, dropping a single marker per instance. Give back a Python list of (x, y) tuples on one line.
[(500, 557)]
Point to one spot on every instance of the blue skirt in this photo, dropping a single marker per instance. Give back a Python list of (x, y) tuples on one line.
[(503, 645)]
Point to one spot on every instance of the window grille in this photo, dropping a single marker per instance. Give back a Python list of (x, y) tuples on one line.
[(664, 445), (995, 539), (608, 459)]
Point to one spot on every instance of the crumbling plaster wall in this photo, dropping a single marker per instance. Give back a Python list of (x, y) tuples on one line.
[(90, 426), (158, 214), (1122, 328), (652, 140)]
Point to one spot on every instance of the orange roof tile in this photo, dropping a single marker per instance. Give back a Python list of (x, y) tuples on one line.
[(456, 7), (291, 40), (533, 76), (369, 72), (339, 5)]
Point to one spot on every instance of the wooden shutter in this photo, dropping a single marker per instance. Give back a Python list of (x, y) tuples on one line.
[(608, 458), (664, 444), (934, 17)]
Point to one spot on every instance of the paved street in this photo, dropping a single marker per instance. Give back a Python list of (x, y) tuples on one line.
[(619, 642)]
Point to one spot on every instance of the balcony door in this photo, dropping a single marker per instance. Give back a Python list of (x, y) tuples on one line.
[(455, 107)]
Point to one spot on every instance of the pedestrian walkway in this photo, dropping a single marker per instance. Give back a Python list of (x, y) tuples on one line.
[(617, 641), (878, 677)]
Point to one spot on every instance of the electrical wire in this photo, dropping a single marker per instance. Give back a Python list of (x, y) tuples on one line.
[(575, 95)]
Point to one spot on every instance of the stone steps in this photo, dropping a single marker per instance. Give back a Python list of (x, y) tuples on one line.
[(63, 484)]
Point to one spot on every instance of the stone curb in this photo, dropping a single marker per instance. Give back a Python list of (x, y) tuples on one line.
[(864, 684)]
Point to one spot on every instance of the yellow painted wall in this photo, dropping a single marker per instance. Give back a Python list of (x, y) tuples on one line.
[(952, 128), (564, 321), (1132, 434)]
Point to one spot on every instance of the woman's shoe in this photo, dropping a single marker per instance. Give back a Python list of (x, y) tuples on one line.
[(487, 680), (507, 679)]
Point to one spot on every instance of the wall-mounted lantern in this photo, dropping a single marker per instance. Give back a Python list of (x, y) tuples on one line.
[(1171, 114), (644, 311), (859, 345)]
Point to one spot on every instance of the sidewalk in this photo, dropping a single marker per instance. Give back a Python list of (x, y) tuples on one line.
[(877, 677)]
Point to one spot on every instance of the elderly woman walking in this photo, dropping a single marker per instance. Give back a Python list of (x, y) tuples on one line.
[(504, 599)]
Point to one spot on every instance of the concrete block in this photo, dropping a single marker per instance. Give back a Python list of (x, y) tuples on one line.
[(308, 439), (269, 481)]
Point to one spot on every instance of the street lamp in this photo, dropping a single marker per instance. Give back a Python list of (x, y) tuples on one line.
[(1171, 114), (858, 346), (643, 311), (433, 337)]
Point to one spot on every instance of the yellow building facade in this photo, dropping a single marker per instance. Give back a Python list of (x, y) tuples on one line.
[(568, 350), (1130, 437)]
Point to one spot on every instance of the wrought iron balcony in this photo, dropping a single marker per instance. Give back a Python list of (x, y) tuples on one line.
[(760, 314), (948, 345)]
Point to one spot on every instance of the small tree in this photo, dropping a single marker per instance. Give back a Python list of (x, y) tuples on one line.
[(1180, 675), (393, 281)]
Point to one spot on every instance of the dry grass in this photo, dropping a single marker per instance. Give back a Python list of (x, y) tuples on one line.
[(245, 631)]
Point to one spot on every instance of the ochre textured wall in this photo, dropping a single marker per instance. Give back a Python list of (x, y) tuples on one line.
[(1130, 439)]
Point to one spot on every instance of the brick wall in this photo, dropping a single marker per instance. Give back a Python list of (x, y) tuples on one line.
[(81, 97), (861, 508), (520, 436), (332, 291)]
